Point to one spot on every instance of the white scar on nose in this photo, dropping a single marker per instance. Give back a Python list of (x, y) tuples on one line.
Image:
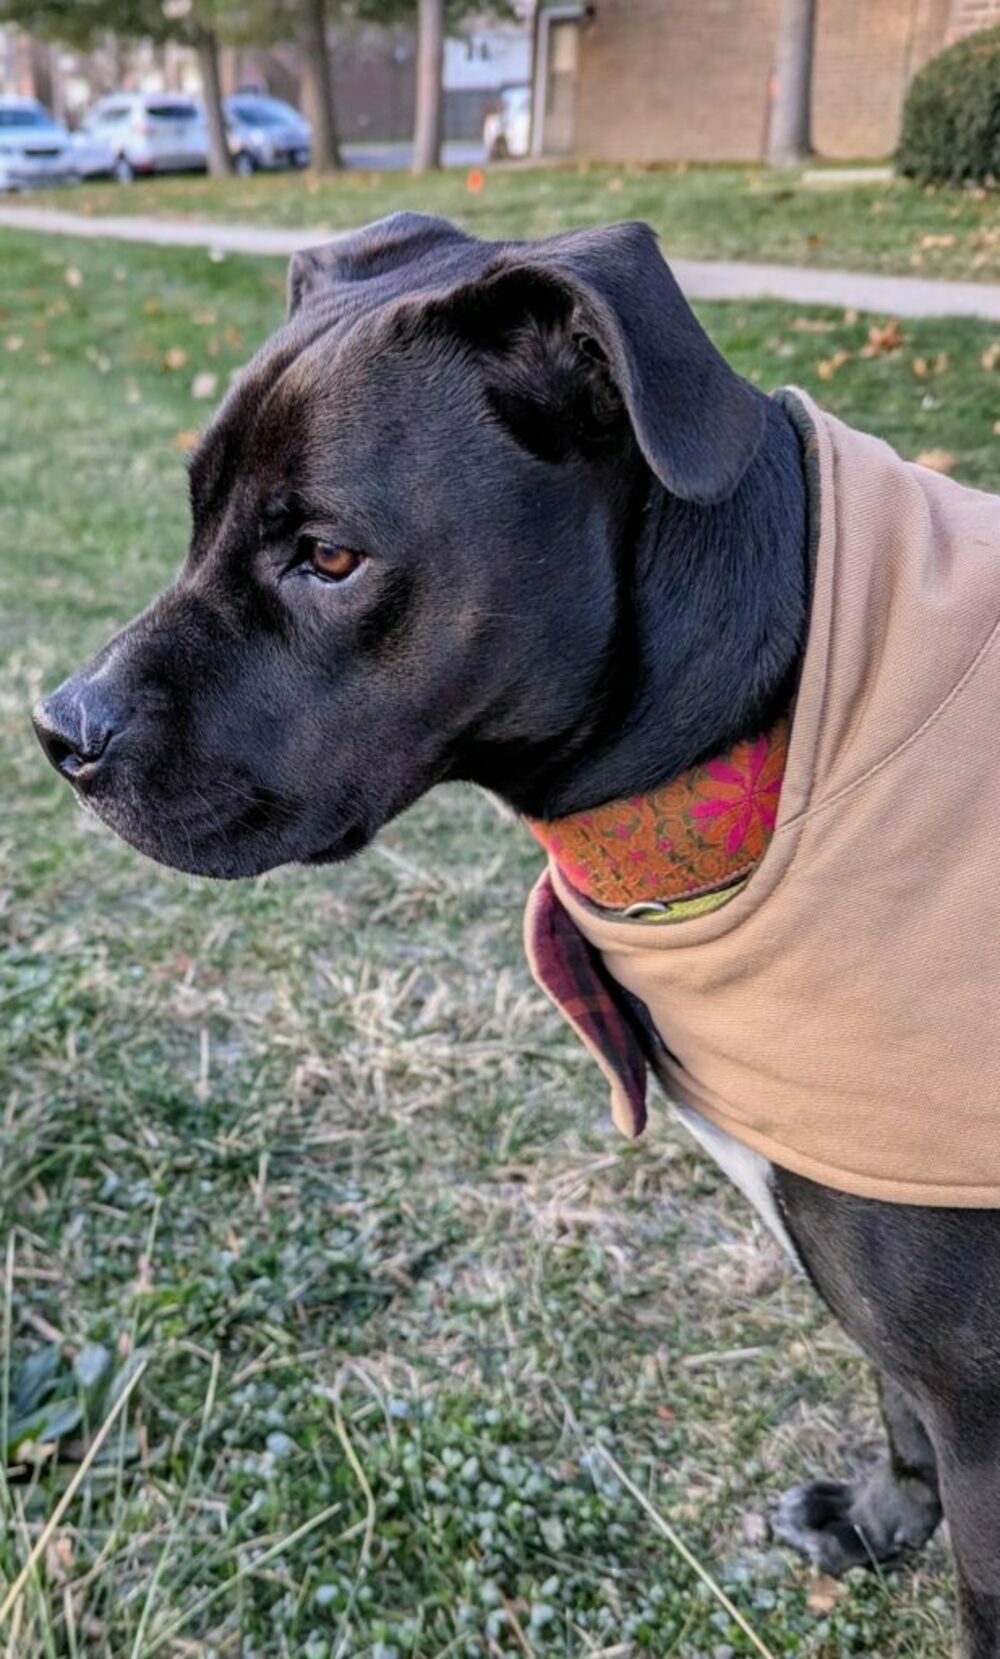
[(98, 674), (106, 665)]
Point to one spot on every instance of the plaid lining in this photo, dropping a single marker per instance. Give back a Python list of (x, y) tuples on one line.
[(573, 975)]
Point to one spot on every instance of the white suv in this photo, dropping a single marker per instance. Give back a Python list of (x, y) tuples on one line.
[(150, 132)]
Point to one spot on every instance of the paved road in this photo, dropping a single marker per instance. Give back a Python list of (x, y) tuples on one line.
[(394, 158), (701, 279)]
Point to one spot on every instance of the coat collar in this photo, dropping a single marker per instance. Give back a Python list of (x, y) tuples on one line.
[(697, 835)]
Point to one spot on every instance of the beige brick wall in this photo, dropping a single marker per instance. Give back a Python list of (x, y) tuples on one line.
[(675, 79), (671, 80), (866, 52), (968, 15)]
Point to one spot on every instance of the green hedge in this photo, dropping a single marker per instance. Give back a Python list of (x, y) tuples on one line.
[(951, 120)]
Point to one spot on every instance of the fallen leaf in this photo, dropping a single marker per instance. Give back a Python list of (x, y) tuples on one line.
[(991, 356), (823, 1594), (938, 460), (59, 1558), (996, 429), (475, 180), (754, 1529), (811, 325), (204, 384), (175, 358), (74, 276), (921, 368), (614, 184), (947, 241), (34, 1452), (882, 340), (850, 316), (13, 342), (185, 441), (827, 367)]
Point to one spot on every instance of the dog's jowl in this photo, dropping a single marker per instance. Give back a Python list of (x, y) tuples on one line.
[(501, 512)]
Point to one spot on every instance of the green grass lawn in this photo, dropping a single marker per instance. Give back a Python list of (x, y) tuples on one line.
[(710, 213), (314, 1152)]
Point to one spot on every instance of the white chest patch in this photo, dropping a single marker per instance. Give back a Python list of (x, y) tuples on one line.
[(748, 1170)]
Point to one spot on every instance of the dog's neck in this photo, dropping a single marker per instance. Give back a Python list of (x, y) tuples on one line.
[(706, 645)]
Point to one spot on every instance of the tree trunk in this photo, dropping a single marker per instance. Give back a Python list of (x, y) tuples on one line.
[(57, 83), (220, 162), (317, 85), (428, 128), (790, 137)]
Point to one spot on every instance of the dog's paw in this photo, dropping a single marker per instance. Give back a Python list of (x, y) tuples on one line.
[(816, 1520)]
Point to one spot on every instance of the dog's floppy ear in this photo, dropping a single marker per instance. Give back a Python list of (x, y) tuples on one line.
[(360, 256), (697, 422), (545, 376)]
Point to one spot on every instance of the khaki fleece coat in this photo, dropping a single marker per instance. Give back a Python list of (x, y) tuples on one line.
[(841, 1015)]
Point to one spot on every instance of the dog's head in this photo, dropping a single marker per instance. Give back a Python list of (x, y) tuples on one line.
[(410, 516)]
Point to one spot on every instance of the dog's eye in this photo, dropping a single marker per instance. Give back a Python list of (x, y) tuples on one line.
[(328, 560)]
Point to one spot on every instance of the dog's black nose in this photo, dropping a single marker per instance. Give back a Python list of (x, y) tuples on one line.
[(74, 727)]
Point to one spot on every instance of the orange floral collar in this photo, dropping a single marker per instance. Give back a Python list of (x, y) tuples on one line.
[(707, 829)]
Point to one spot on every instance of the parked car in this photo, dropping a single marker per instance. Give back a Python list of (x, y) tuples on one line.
[(34, 148), (150, 132), (507, 128), (93, 157), (265, 132)]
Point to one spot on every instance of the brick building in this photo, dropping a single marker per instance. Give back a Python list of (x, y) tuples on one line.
[(672, 80)]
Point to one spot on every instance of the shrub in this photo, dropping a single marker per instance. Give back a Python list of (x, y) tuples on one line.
[(951, 119)]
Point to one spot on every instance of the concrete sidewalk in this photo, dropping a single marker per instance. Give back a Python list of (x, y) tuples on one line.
[(701, 279), (164, 233)]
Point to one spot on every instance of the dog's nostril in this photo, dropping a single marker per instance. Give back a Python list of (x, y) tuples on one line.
[(62, 755), (65, 745)]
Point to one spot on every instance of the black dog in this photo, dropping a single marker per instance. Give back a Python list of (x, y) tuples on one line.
[(486, 511)]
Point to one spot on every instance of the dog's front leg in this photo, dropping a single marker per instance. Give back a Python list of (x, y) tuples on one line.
[(980, 1620), (892, 1511), (967, 1437)]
